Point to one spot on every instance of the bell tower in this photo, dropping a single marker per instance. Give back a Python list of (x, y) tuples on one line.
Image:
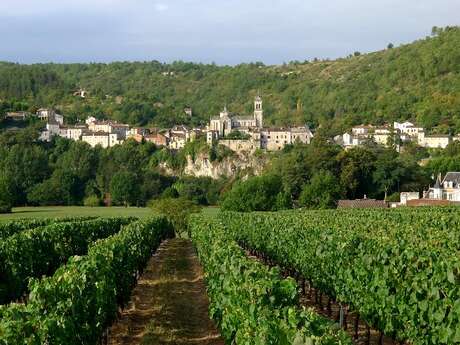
[(258, 112)]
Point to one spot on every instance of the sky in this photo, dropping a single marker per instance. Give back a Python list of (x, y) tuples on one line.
[(219, 31)]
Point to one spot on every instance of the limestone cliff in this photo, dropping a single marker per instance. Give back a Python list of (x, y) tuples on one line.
[(242, 164)]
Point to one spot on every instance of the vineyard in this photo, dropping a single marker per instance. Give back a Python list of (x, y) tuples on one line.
[(99, 261), (400, 270), (124, 281)]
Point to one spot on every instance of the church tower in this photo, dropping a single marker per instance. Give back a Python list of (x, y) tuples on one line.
[(258, 112)]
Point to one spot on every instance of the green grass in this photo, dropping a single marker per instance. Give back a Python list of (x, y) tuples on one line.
[(74, 211)]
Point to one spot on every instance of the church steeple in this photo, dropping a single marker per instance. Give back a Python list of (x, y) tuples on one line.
[(224, 113), (258, 111)]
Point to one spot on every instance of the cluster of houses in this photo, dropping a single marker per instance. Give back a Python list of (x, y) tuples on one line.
[(108, 133), (445, 192), (239, 133), (394, 135)]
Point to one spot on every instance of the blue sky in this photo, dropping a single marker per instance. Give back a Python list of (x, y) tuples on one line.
[(221, 31)]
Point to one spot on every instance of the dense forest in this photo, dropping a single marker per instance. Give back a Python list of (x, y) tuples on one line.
[(418, 81)]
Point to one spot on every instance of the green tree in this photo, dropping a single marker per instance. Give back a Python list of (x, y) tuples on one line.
[(6, 194), (356, 169), (388, 172), (124, 188), (255, 194), (321, 192), (178, 211)]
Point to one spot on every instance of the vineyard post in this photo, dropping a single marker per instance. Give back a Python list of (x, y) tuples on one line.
[(341, 318), (345, 315), (381, 338), (357, 326), (368, 334)]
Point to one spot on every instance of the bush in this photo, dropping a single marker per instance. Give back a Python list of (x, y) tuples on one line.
[(256, 194), (92, 201), (395, 197), (322, 192), (5, 208), (177, 211), (124, 188)]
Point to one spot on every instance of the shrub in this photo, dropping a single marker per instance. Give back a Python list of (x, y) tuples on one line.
[(92, 201), (177, 211), (322, 192), (124, 188), (255, 194), (5, 208)]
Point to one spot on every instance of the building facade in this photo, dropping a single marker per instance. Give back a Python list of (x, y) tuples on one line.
[(271, 139), (225, 123), (105, 140), (445, 189)]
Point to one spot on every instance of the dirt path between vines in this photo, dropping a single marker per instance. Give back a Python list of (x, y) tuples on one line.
[(169, 305)]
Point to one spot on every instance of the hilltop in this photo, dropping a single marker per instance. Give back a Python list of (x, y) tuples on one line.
[(418, 81)]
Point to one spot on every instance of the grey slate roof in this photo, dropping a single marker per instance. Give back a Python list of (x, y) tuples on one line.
[(452, 177)]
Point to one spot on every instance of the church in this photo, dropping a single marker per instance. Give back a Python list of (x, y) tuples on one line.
[(222, 125), (260, 137)]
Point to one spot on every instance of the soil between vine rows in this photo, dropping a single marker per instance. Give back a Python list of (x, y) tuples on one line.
[(169, 305)]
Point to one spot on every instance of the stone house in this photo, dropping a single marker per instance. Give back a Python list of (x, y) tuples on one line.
[(437, 141), (157, 138), (109, 127), (16, 115), (48, 115), (105, 140), (75, 132)]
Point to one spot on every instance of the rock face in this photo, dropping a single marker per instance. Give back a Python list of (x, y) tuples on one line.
[(243, 164)]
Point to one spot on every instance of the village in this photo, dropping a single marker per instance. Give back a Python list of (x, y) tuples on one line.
[(246, 134), (238, 133), (394, 135)]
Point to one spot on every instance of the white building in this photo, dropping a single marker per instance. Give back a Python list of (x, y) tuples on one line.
[(75, 132), (383, 136), (361, 130), (108, 127), (50, 115), (103, 139), (271, 139), (225, 123), (407, 196), (437, 141), (90, 120), (275, 139), (447, 189), (407, 128), (54, 126)]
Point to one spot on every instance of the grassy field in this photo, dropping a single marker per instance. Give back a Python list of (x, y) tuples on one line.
[(74, 211)]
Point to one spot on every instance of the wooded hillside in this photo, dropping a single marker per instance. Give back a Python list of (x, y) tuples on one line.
[(418, 81)]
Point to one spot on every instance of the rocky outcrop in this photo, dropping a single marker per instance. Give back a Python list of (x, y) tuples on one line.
[(243, 164)]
